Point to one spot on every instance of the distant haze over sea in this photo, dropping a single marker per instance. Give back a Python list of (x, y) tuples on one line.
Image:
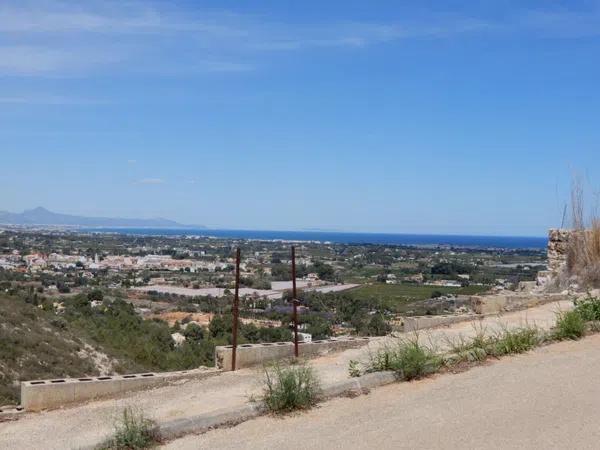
[(511, 242)]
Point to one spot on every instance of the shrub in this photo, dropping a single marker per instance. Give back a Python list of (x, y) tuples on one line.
[(289, 388), (506, 342), (570, 325), (588, 309), (475, 349), (354, 368), (518, 340), (409, 359), (132, 432)]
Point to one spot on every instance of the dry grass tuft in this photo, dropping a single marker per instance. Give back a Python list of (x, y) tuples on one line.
[(583, 254)]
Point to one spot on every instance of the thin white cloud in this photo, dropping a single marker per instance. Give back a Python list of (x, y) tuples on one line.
[(131, 162), (60, 38), (31, 60), (150, 181), (70, 39), (43, 99)]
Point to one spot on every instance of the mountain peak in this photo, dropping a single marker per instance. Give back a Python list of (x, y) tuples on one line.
[(43, 216), (37, 209)]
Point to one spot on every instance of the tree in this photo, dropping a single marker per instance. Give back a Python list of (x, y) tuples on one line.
[(95, 295), (325, 271), (220, 326), (378, 326), (193, 332)]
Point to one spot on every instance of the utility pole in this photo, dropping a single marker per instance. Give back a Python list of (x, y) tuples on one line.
[(236, 308), (294, 301)]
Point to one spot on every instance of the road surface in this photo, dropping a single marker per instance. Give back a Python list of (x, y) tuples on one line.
[(546, 399)]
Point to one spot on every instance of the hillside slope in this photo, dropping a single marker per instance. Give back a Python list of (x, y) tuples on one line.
[(35, 344)]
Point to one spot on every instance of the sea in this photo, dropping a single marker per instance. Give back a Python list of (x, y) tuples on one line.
[(421, 240)]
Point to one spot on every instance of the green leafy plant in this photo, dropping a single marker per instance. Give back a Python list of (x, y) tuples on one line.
[(469, 350), (588, 309), (518, 340), (408, 358), (290, 387), (354, 368), (570, 325)]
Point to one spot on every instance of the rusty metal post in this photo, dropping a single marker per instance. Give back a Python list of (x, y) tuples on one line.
[(236, 308), (294, 301)]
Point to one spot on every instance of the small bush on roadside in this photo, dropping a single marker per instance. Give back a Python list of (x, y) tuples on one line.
[(289, 388), (513, 341), (132, 432), (469, 350), (354, 368), (588, 309), (570, 325), (409, 359)]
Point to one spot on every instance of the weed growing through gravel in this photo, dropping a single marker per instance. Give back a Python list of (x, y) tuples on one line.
[(570, 325), (589, 309), (408, 358), (517, 340), (290, 387), (354, 369), (132, 432)]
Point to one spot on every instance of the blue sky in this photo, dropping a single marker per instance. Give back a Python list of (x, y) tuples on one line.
[(423, 117)]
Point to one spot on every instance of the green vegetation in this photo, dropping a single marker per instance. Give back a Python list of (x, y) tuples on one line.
[(35, 344), (38, 343), (408, 358), (506, 342), (354, 369), (132, 432), (396, 296), (513, 341), (468, 350), (147, 344), (137, 343), (570, 325), (291, 387), (588, 309)]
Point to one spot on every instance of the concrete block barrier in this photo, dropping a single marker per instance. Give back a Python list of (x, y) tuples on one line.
[(249, 355), (414, 323), (37, 395)]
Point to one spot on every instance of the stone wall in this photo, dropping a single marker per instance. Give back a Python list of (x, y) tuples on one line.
[(558, 242), (249, 355), (558, 248)]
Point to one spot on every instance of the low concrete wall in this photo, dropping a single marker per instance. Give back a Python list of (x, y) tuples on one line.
[(47, 394), (494, 304), (249, 355), (414, 323)]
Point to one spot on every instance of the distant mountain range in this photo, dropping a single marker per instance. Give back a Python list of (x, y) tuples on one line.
[(41, 216)]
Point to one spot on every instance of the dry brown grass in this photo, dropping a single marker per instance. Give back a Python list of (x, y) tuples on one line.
[(583, 256)]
